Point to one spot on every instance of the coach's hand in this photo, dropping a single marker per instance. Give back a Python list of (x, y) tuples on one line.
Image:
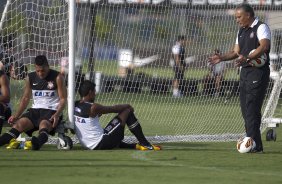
[(241, 59), (214, 59)]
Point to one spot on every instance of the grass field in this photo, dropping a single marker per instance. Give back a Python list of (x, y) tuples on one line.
[(211, 163), (111, 68), (192, 162)]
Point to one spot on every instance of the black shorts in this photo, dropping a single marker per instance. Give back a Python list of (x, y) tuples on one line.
[(36, 116), (178, 73), (113, 135)]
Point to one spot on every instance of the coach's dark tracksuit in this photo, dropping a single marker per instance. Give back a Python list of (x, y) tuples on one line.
[(253, 84)]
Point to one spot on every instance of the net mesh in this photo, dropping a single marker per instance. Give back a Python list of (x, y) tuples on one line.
[(126, 49)]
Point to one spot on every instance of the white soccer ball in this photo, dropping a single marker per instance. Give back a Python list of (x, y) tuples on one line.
[(259, 62), (246, 144)]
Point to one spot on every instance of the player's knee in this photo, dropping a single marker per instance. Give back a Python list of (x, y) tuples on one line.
[(131, 118), (44, 130), (45, 124), (19, 127)]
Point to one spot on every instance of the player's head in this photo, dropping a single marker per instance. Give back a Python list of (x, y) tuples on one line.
[(217, 51), (41, 66), (87, 89), (181, 38), (244, 15)]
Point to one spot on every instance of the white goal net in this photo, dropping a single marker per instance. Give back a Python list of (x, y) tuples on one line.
[(125, 47)]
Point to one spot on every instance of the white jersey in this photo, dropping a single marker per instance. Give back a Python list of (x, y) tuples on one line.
[(44, 91), (176, 48), (88, 129)]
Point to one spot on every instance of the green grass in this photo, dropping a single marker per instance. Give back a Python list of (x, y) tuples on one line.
[(192, 162), (111, 68), (211, 163), (165, 115)]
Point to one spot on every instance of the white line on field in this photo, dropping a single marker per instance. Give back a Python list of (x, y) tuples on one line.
[(141, 155)]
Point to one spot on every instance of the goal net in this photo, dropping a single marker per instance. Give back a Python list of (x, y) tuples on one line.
[(125, 47)]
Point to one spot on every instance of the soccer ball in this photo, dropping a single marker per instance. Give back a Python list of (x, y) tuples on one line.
[(246, 144), (258, 62)]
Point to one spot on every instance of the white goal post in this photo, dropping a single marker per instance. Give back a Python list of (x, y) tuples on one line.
[(125, 47)]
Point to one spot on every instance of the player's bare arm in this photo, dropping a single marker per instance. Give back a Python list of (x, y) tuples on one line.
[(5, 89), (2, 67), (62, 92), (23, 103), (98, 109)]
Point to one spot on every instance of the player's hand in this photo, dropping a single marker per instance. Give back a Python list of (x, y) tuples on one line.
[(12, 119), (54, 119)]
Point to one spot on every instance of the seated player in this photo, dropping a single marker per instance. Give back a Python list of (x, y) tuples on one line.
[(215, 77), (48, 91), (5, 109), (88, 128)]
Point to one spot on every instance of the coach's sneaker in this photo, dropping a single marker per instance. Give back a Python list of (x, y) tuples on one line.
[(150, 147), (13, 144), (27, 145)]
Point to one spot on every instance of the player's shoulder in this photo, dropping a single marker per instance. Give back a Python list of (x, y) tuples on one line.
[(3, 78), (96, 106), (176, 45), (54, 72), (32, 75)]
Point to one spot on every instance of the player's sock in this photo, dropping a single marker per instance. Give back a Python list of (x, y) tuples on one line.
[(42, 138), (136, 129), (6, 137), (2, 116), (127, 145)]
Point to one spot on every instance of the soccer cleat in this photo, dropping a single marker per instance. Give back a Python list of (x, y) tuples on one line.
[(13, 144), (35, 143), (27, 145), (145, 148)]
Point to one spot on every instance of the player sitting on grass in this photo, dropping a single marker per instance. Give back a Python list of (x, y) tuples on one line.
[(88, 128), (5, 109), (48, 91)]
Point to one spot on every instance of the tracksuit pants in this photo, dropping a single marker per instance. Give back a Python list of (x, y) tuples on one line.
[(253, 86)]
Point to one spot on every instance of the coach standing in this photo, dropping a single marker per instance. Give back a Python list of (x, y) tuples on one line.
[(252, 35)]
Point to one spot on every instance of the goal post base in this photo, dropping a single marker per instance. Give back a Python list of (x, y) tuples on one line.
[(273, 122)]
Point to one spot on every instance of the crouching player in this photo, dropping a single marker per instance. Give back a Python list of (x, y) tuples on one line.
[(48, 91), (88, 128)]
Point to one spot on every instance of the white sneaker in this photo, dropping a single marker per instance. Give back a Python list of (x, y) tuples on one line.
[(178, 95)]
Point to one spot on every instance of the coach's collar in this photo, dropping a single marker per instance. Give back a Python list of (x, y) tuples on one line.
[(255, 22)]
